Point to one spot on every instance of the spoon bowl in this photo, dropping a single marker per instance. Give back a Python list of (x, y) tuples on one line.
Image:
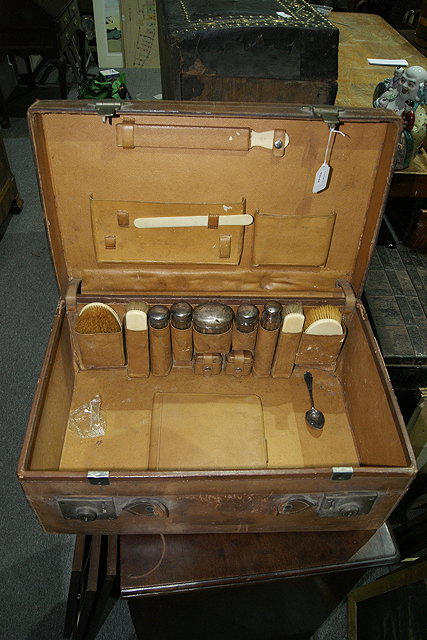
[(315, 418)]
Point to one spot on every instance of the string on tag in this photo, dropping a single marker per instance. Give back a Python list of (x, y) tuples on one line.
[(322, 175), (328, 145)]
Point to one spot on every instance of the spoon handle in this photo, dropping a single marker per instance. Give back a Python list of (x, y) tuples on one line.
[(309, 382)]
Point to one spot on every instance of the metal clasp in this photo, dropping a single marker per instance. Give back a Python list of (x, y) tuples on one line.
[(107, 109), (330, 115)]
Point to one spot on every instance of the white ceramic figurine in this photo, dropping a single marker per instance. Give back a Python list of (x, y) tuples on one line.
[(406, 94)]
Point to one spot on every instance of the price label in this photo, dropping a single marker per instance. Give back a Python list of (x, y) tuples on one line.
[(321, 179)]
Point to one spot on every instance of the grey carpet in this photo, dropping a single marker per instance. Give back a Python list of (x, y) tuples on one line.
[(34, 566)]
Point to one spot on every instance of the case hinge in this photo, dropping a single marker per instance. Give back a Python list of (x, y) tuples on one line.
[(107, 109), (330, 115)]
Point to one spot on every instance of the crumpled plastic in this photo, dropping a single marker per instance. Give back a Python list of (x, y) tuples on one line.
[(87, 421)]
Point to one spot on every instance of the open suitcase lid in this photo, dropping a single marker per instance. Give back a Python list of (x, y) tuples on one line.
[(211, 199)]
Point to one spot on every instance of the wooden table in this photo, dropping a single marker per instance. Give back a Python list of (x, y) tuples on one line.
[(364, 36), (251, 586)]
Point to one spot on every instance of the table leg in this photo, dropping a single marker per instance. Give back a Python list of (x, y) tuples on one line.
[(81, 553)]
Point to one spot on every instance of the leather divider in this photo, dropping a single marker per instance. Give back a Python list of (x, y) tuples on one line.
[(264, 351), (160, 351), (212, 343), (245, 341), (182, 346), (319, 351), (284, 357)]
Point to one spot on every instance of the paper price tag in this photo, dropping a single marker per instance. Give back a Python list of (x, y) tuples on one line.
[(321, 179)]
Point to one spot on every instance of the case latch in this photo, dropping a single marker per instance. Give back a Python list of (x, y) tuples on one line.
[(107, 109), (330, 115)]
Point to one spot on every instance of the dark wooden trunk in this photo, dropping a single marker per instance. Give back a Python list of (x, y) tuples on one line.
[(245, 51)]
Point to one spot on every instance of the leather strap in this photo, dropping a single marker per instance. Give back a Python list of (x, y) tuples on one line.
[(128, 133), (71, 295), (213, 221)]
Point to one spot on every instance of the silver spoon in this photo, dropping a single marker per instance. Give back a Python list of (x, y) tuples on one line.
[(314, 417)]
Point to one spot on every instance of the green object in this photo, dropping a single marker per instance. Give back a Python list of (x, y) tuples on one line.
[(99, 87)]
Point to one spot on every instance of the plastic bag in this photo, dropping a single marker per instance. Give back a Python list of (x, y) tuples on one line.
[(87, 421), (99, 87)]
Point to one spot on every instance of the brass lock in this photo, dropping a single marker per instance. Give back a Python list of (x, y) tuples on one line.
[(346, 505), (87, 509)]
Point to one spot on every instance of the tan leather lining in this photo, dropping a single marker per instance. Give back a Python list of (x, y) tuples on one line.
[(280, 186), (128, 407)]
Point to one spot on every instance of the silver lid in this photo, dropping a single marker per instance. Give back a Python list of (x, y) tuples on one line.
[(158, 316), (181, 315), (246, 318), (271, 316), (212, 317)]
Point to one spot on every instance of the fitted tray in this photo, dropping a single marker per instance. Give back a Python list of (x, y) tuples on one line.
[(216, 453)]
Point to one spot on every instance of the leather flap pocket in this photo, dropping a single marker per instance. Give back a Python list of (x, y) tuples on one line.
[(292, 240)]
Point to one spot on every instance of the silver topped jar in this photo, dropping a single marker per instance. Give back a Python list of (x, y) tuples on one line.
[(158, 316), (212, 318), (181, 315), (246, 318)]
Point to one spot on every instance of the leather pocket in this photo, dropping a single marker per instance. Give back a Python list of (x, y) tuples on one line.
[(319, 351), (264, 351), (99, 350), (284, 357), (137, 352), (168, 233), (243, 341), (212, 342), (182, 346), (284, 240)]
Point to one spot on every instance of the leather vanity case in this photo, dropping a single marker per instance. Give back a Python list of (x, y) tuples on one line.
[(253, 50), (177, 430)]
